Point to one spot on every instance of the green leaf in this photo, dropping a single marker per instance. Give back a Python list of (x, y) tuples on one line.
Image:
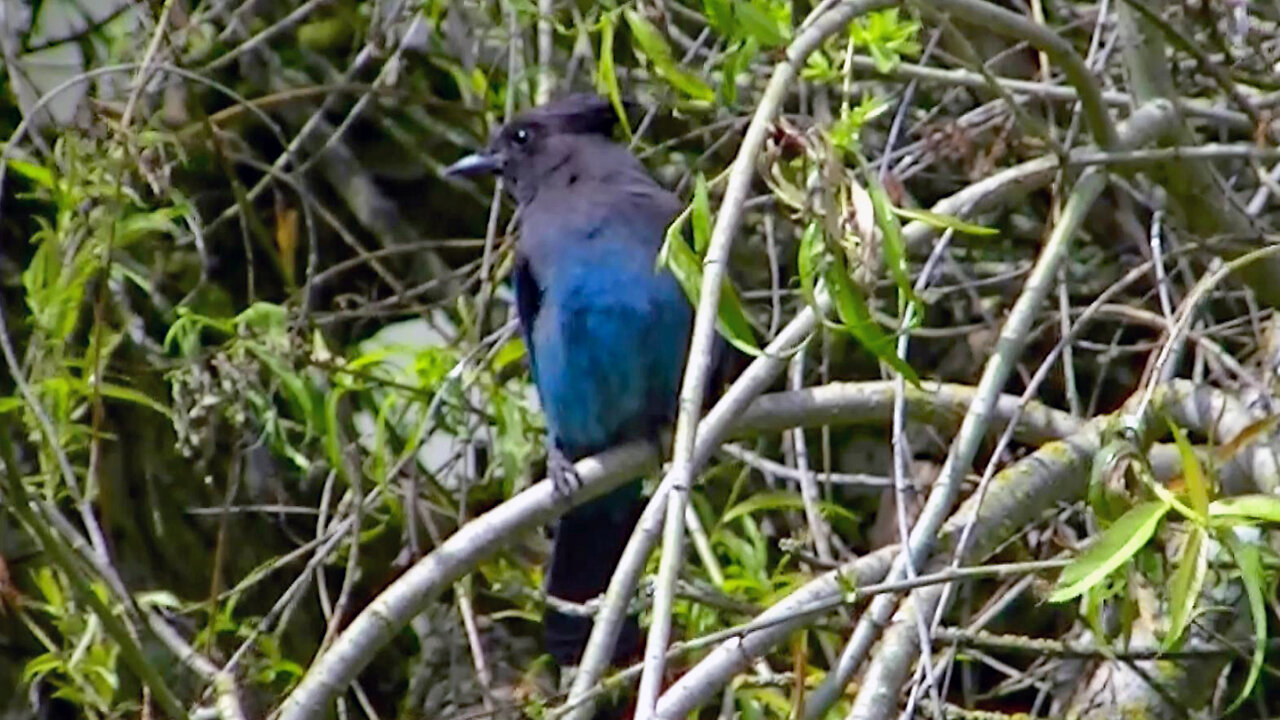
[(734, 64), (126, 394), (944, 222), (606, 74), (139, 225), (759, 24), (512, 351), (1116, 545), (37, 174), (1184, 590), (701, 215), (895, 248), (809, 261), (847, 129), (856, 316), (719, 15), (1192, 474), (263, 317), (1254, 506), (685, 265), (655, 47), (9, 403), (1249, 559), (782, 500)]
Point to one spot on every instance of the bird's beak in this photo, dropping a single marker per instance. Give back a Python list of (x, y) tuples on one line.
[(475, 164)]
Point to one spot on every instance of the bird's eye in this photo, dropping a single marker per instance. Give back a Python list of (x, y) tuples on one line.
[(521, 136)]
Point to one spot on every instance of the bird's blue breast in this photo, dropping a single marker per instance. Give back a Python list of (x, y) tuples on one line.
[(608, 346)]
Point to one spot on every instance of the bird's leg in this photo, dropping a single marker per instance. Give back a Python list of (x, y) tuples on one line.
[(560, 470)]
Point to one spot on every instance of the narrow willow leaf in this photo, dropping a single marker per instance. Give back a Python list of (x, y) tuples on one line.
[(684, 264), (1249, 559), (606, 73), (655, 47), (719, 14), (127, 394), (856, 316), (756, 22), (895, 248), (943, 222), (782, 501), (1254, 507), (1192, 474), (37, 174), (1140, 466), (701, 215), (1112, 549), (140, 225), (1184, 590), (809, 262)]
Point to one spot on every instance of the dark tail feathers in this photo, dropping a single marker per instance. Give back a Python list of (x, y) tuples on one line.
[(588, 545)]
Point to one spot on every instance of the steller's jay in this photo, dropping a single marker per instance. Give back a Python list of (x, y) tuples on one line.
[(606, 332)]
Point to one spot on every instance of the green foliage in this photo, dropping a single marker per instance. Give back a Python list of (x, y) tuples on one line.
[(766, 22), (651, 42), (686, 266), (79, 661), (1093, 573), (850, 303), (1126, 536), (886, 37)]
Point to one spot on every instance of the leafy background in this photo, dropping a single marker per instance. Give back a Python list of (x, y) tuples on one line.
[(260, 359)]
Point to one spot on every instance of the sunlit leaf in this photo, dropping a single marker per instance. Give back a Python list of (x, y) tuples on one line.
[(756, 22), (512, 351), (943, 222), (719, 15), (701, 215), (1192, 474), (1184, 590), (1113, 548), (607, 74), (895, 248), (655, 47), (809, 261), (1252, 506), (782, 500), (37, 174)]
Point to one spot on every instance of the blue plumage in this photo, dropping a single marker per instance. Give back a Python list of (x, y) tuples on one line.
[(606, 331)]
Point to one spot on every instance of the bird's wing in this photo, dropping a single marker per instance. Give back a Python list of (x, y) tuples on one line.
[(528, 302)]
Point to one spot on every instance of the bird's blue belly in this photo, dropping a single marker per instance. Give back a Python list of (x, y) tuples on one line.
[(610, 352)]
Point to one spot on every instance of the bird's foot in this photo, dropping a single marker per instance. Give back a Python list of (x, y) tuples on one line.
[(564, 476)]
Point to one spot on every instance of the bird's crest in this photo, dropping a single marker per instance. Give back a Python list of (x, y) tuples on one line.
[(577, 114)]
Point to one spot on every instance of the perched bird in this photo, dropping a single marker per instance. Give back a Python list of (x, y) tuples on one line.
[(606, 331)]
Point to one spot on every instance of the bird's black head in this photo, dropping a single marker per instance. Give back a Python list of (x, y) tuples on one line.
[(539, 142)]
